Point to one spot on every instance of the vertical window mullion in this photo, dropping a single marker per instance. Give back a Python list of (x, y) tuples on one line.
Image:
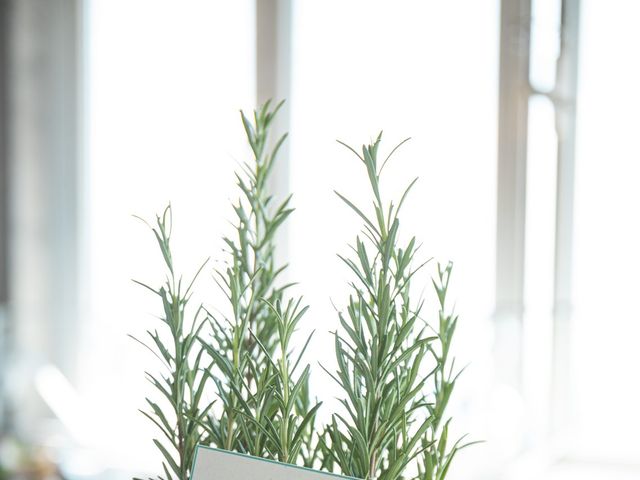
[(564, 98), (4, 209), (512, 161), (42, 167), (273, 77)]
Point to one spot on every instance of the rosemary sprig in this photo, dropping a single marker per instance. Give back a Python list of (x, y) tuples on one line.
[(287, 431), (180, 388), (437, 457), (380, 349), (266, 412)]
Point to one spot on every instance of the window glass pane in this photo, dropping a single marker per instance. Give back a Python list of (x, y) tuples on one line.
[(607, 232), (164, 90)]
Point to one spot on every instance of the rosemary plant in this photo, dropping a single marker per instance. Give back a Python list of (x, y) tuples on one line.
[(381, 348), (397, 379), (181, 386), (391, 428), (437, 457), (266, 409)]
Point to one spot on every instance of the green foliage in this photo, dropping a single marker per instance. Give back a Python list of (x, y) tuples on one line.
[(178, 411), (380, 349), (437, 456), (382, 352), (286, 432), (394, 368), (266, 409)]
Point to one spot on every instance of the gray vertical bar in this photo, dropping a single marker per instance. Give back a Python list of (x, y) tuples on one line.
[(273, 49), (4, 209), (43, 166), (512, 161), (4, 170), (564, 98), (273, 78)]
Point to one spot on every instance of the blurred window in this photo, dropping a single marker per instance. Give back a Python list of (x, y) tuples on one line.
[(165, 80)]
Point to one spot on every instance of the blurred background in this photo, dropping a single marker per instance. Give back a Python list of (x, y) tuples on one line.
[(525, 126)]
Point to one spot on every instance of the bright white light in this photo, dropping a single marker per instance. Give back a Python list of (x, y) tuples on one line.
[(165, 82), (607, 233), (63, 400), (539, 266)]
